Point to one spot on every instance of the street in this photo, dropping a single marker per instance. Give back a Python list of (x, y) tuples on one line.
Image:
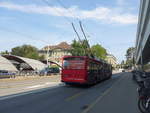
[(116, 95), (74, 56), (25, 84)]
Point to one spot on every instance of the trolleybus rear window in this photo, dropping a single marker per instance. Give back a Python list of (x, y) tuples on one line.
[(73, 63)]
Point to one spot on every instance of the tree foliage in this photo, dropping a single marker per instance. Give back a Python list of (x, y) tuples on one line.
[(99, 51), (129, 51), (79, 48), (27, 51), (130, 58), (83, 49), (4, 52)]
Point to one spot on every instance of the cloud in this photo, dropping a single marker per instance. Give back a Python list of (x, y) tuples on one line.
[(103, 14), (125, 19)]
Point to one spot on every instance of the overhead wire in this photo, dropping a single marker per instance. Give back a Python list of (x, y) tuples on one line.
[(22, 34), (78, 37), (64, 6), (80, 21), (75, 16), (49, 4), (58, 11), (93, 34), (91, 54), (27, 35)]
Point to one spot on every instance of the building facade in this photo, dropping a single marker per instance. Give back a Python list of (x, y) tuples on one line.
[(142, 53), (112, 60), (55, 53)]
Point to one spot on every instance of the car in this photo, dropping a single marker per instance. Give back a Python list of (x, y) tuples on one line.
[(3, 71), (49, 71), (6, 74), (123, 70)]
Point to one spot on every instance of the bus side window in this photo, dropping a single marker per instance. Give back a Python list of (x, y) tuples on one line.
[(89, 66)]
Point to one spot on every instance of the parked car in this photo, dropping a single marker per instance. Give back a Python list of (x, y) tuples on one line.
[(3, 71), (49, 71), (123, 70), (6, 74)]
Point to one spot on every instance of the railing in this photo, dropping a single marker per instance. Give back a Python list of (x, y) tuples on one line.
[(17, 74)]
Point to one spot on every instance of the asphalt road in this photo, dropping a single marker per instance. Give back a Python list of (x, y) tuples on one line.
[(117, 95), (24, 84)]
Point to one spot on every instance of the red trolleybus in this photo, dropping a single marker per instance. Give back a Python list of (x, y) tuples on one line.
[(84, 70)]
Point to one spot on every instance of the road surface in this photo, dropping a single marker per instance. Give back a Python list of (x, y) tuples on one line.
[(117, 95), (24, 84)]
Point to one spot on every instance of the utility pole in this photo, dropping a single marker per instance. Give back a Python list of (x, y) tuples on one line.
[(141, 56), (141, 59), (47, 56)]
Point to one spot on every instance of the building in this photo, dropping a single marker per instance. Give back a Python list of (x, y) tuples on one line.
[(112, 60), (143, 33), (56, 52)]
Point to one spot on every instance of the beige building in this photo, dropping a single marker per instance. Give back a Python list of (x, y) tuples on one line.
[(55, 53), (112, 60)]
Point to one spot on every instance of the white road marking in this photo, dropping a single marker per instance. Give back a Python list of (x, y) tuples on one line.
[(36, 86)]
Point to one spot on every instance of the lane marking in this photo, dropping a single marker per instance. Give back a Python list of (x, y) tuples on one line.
[(35, 86), (101, 96), (78, 94), (31, 92), (74, 96)]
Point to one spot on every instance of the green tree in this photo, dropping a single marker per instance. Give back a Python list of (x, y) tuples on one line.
[(83, 49), (129, 51), (42, 57), (123, 64), (129, 63), (79, 48), (130, 57), (27, 51), (99, 51), (4, 52)]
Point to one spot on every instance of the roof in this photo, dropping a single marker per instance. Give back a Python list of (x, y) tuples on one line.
[(86, 57), (35, 64), (6, 64), (62, 45)]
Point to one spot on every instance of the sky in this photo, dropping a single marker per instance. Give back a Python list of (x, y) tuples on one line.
[(111, 23)]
